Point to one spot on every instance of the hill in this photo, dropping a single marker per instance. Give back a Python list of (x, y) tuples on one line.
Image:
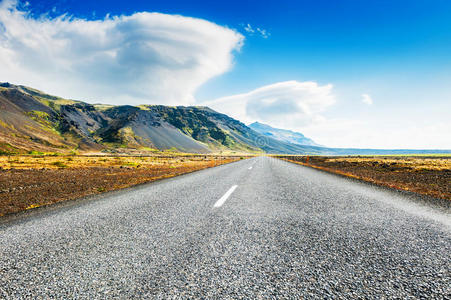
[(31, 120), (283, 134)]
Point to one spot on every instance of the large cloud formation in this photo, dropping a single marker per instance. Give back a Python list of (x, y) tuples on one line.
[(289, 104), (142, 58)]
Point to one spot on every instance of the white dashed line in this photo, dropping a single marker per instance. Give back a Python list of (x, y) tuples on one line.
[(250, 168), (223, 199)]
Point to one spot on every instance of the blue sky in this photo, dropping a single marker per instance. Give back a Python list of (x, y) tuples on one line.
[(396, 53)]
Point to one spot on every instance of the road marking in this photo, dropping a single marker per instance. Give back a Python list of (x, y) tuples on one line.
[(223, 199), (250, 168)]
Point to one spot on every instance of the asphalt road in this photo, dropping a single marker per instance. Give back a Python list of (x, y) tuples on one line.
[(258, 228)]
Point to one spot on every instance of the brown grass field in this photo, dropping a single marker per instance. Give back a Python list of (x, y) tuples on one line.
[(29, 181), (425, 175)]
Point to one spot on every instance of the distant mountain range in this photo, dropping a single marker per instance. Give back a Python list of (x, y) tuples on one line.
[(283, 135), (31, 120)]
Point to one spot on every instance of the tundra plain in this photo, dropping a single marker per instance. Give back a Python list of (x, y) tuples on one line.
[(31, 181)]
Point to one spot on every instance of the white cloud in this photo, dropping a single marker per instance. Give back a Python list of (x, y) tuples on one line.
[(289, 104), (142, 58), (251, 31), (263, 32), (367, 99), (248, 28)]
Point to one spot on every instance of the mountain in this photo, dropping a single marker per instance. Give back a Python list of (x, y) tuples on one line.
[(31, 120), (283, 135)]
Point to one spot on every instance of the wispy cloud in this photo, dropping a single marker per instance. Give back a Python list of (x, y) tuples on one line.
[(367, 99), (252, 31), (289, 104), (141, 58), (248, 28)]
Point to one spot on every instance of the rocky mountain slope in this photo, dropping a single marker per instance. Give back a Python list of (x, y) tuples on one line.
[(283, 135), (32, 120)]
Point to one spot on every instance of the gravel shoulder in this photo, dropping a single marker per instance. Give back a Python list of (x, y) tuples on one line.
[(429, 176), (28, 182)]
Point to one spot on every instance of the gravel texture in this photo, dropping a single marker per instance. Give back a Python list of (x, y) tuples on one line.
[(28, 182), (430, 176), (286, 232)]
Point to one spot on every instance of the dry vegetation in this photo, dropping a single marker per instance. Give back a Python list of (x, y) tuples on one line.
[(30, 181), (426, 175)]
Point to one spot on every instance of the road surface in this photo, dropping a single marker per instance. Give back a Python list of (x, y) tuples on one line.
[(257, 228)]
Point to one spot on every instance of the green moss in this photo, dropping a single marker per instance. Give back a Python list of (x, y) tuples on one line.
[(55, 104), (37, 93), (7, 149), (38, 114), (36, 152), (3, 124), (103, 107), (59, 164), (149, 149), (172, 149), (45, 120), (143, 107)]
